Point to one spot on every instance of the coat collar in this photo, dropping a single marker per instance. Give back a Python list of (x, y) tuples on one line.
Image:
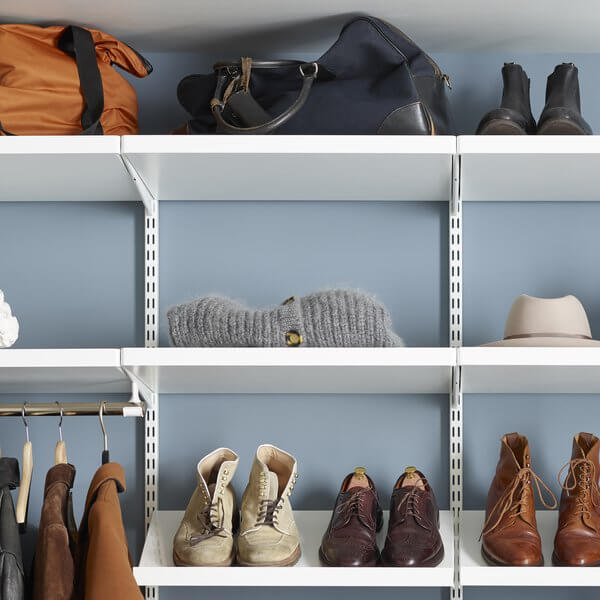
[(108, 472), (61, 473), (9, 473)]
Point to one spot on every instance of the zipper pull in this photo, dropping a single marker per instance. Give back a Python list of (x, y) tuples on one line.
[(446, 78)]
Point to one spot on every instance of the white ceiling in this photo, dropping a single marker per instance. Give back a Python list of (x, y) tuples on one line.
[(307, 25)]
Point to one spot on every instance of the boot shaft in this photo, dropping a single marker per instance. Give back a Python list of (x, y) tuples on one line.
[(514, 457), (581, 480), (562, 87), (515, 93), (214, 473), (266, 500)]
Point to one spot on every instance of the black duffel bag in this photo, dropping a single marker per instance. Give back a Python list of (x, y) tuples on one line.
[(374, 79)]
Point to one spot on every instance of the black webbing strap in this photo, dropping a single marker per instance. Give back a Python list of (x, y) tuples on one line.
[(78, 42)]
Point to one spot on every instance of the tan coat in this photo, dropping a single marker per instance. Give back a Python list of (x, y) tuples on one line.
[(103, 563)]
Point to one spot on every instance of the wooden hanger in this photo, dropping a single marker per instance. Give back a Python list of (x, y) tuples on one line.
[(60, 450), (26, 473)]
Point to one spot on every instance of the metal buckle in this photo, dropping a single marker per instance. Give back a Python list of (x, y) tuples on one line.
[(315, 72)]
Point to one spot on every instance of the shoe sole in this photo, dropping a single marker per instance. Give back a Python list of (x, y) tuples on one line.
[(181, 563), (288, 562), (494, 563), (501, 127), (561, 127), (433, 561), (328, 563), (558, 563)]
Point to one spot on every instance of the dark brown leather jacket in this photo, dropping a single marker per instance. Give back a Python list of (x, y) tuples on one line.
[(12, 583), (103, 566), (53, 570)]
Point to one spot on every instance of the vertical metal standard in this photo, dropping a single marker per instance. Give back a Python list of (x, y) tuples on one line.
[(455, 409), (151, 341)]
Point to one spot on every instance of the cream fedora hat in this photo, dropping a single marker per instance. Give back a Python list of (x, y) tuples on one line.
[(546, 322)]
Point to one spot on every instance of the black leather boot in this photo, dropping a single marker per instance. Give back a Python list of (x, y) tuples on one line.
[(514, 115), (562, 113)]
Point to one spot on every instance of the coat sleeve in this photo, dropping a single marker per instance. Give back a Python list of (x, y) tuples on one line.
[(108, 573)]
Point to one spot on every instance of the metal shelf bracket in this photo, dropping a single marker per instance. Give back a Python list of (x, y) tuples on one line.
[(455, 197), (150, 202)]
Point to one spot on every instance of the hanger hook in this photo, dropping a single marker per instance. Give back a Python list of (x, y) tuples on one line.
[(60, 433), (25, 421), (100, 416)]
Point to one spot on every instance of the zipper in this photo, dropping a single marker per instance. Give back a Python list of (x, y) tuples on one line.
[(436, 68)]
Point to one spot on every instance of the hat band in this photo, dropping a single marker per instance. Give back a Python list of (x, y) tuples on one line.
[(575, 336)]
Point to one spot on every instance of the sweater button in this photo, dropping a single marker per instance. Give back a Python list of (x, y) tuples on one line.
[(293, 338)]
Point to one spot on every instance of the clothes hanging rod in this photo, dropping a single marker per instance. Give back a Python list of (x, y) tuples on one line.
[(72, 409)]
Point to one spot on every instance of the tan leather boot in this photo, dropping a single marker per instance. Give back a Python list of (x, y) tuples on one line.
[(205, 536), (577, 541), (510, 535), (268, 534)]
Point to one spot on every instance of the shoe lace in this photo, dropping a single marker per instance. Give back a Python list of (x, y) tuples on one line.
[(354, 505), (411, 503), (212, 524), (511, 502), (582, 473), (268, 511)]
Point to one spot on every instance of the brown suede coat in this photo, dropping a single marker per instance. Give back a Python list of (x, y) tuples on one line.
[(103, 564), (54, 570)]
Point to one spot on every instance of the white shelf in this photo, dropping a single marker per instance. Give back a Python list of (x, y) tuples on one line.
[(529, 168), (86, 168), (460, 26), (301, 370), (156, 565), (293, 167), (475, 571), (81, 371), (291, 370), (530, 370)]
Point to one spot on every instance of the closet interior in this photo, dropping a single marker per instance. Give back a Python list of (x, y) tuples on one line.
[(100, 235)]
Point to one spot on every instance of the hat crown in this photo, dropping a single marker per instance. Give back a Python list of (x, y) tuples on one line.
[(546, 317)]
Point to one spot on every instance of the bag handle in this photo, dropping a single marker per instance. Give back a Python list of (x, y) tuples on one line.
[(78, 42), (309, 72)]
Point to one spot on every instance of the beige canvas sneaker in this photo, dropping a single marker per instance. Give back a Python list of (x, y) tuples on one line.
[(268, 533), (205, 536)]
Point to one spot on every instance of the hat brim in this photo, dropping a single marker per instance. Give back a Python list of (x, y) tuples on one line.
[(546, 342)]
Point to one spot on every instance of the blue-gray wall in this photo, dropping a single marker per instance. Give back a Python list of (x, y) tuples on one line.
[(72, 273)]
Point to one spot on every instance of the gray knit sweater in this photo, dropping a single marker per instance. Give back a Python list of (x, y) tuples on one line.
[(333, 318)]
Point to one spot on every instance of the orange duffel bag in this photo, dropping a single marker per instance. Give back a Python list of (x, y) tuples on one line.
[(60, 81)]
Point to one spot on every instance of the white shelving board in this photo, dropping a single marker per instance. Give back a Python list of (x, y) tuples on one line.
[(464, 25), (81, 371), (86, 168), (156, 566), (529, 168), (293, 167), (474, 571), (291, 370), (530, 370)]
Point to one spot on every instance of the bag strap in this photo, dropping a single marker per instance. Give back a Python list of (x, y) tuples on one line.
[(78, 42), (308, 71)]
